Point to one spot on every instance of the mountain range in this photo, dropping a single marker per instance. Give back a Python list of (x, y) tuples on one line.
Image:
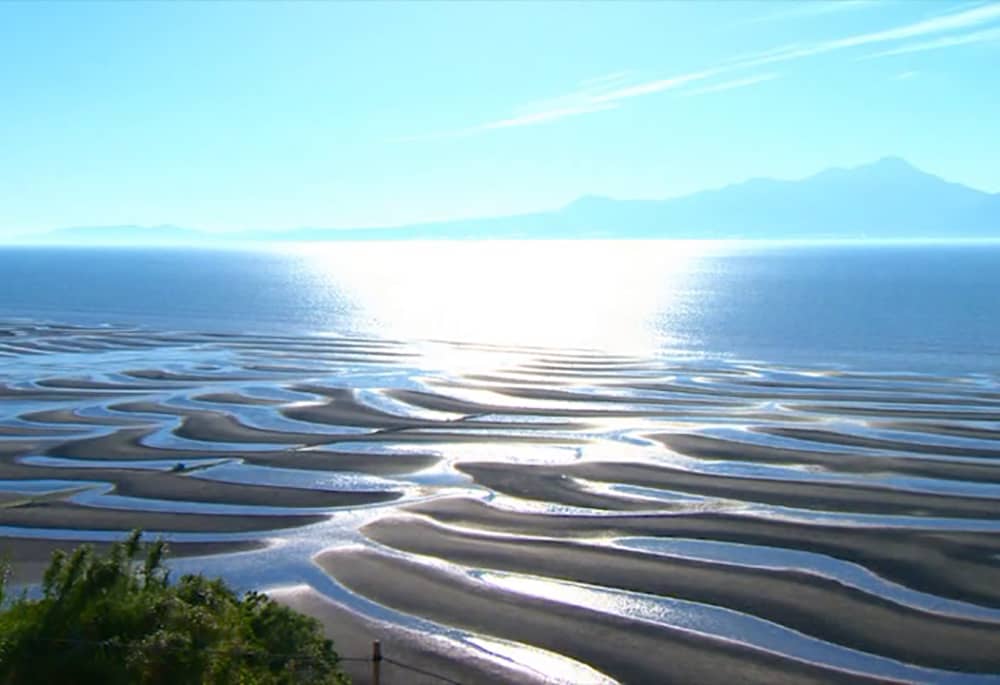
[(887, 199)]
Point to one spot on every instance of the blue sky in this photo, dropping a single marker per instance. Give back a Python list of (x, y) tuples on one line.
[(275, 115)]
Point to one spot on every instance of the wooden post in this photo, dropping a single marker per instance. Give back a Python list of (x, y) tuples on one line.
[(376, 662)]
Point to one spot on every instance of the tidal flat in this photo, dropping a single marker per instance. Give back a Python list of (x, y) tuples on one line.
[(528, 514)]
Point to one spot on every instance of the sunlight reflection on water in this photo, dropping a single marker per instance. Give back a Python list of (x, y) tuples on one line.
[(563, 294)]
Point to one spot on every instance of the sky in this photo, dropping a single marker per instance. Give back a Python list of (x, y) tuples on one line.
[(230, 116)]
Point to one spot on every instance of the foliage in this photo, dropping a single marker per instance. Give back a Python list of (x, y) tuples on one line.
[(115, 619)]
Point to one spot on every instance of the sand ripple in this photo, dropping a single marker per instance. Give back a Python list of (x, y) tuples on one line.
[(655, 520)]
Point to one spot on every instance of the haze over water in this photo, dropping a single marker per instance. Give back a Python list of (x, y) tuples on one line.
[(912, 307)]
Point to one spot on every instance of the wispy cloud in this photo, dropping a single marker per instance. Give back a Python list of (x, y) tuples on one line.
[(730, 85), (966, 19), (657, 86), (982, 36), (969, 18), (905, 75), (571, 105), (588, 93), (603, 93), (584, 101), (608, 79), (547, 115)]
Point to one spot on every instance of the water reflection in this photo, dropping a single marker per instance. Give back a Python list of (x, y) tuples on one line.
[(563, 294)]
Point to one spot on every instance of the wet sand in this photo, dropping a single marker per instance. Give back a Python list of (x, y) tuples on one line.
[(958, 565), (128, 444), (68, 516), (353, 634), (806, 602), (853, 518), (189, 487), (550, 484), (831, 438), (627, 650), (709, 448)]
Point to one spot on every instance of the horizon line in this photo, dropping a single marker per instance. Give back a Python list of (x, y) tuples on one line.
[(223, 234)]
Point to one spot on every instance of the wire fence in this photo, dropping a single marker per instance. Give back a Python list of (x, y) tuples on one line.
[(421, 671), (376, 658)]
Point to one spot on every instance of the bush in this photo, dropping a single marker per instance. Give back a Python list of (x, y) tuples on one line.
[(112, 619)]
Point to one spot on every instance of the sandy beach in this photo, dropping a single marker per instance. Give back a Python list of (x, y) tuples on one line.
[(637, 519), (630, 651)]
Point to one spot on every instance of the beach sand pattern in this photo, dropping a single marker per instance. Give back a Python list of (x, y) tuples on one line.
[(529, 515)]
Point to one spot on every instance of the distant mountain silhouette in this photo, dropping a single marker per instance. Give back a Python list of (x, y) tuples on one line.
[(123, 235), (887, 199)]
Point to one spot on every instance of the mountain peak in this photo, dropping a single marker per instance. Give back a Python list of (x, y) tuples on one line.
[(892, 163), (881, 170)]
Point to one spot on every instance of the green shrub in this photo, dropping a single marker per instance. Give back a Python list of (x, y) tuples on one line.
[(113, 619)]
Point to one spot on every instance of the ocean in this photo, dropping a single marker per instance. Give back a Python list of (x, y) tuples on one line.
[(890, 307)]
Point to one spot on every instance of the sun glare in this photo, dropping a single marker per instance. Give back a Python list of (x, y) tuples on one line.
[(566, 294)]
